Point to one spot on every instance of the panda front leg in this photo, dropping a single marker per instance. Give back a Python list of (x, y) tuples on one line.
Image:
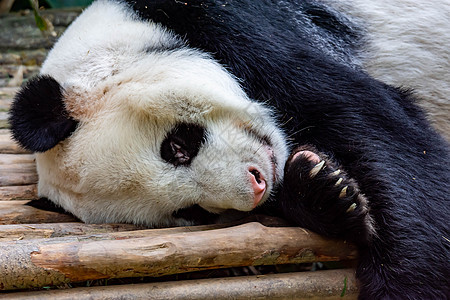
[(318, 194)]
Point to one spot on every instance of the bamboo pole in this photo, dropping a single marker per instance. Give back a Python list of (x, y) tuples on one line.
[(37, 263), (22, 192), (17, 212), (305, 285)]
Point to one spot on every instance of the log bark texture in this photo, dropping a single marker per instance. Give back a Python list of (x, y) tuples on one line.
[(306, 285), (74, 229), (14, 159), (37, 263), (18, 174), (21, 192)]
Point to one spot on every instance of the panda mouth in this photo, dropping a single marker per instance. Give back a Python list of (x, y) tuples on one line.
[(272, 160), (265, 142)]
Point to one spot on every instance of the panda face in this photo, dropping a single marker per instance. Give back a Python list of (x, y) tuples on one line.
[(172, 131)]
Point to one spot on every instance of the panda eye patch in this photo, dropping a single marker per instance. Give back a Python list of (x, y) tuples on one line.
[(182, 144)]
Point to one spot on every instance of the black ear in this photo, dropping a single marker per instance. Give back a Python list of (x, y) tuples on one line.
[(38, 117)]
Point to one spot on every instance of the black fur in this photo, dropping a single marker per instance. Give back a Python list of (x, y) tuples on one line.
[(196, 214), (329, 201), (298, 56), (182, 144), (45, 204), (38, 118)]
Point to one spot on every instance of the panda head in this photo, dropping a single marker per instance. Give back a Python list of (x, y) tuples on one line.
[(126, 132)]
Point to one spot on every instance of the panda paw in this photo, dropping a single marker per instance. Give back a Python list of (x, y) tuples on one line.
[(317, 194)]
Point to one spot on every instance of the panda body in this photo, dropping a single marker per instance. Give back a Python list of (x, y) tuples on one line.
[(161, 106), (406, 44)]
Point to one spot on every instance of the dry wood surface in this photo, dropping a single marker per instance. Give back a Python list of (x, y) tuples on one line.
[(21, 192), (20, 232), (18, 174), (305, 285), (42, 262)]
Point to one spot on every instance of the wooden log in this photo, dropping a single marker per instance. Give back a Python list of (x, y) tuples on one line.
[(16, 212), (305, 285), (18, 174), (4, 119), (8, 145), (13, 159), (18, 177), (18, 168), (34, 57), (74, 230), (5, 104), (37, 263), (22, 192), (6, 93), (19, 232), (19, 32)]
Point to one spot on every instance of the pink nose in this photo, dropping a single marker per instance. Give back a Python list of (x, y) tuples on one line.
[(258, 184)]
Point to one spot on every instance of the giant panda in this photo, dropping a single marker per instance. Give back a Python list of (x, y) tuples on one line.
[(168, 113)]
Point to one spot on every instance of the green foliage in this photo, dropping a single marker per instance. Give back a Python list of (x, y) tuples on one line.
[(40, 22), (344, 290)]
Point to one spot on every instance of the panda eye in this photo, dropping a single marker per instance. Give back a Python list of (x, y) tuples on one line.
[(182, 144)]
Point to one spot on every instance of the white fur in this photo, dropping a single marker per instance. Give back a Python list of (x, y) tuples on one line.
[(105, 40), (127, 99), (408, 46)]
